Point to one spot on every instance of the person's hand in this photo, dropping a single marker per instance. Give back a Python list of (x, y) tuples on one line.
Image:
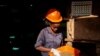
[(69, 39), (55, 52)]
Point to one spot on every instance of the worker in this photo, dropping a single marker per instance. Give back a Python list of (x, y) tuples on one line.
[(49, 37)]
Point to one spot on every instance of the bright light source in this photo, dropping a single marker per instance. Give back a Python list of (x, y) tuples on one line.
[(12, 37), (31, 5), (15, 48)]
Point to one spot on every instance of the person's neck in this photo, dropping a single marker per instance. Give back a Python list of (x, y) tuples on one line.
[(52, 31)]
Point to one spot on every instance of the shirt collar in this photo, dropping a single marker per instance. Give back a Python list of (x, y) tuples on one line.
[(49, 31)]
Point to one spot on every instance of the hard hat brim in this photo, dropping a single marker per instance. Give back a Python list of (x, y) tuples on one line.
[(55, 21)]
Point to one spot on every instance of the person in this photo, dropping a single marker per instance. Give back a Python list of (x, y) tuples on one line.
[(50, 37)]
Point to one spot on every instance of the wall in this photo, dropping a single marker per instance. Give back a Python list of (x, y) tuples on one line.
[(88, 30)]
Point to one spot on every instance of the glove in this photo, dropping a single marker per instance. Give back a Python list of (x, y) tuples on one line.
[(55, 52)]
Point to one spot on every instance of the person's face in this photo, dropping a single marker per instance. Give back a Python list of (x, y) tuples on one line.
[(55, 26)]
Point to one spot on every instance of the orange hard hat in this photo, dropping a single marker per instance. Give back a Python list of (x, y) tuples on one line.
[(54, 15)]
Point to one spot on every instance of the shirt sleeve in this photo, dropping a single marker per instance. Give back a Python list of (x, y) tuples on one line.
[(40, 39), (62, 40)]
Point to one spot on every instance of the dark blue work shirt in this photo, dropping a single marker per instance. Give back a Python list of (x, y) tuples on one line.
[(49, 40)]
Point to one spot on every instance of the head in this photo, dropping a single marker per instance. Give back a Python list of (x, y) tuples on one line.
[(55, 26), (54, 18)]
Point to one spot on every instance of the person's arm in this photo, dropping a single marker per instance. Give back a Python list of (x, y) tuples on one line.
[(54, 51), (39, 45), (62, 40), (43, 49), (41, 42)]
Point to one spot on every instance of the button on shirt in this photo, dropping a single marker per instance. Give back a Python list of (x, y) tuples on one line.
[(49, 40)]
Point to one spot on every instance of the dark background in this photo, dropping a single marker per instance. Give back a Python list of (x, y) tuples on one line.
[(24, 21)]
